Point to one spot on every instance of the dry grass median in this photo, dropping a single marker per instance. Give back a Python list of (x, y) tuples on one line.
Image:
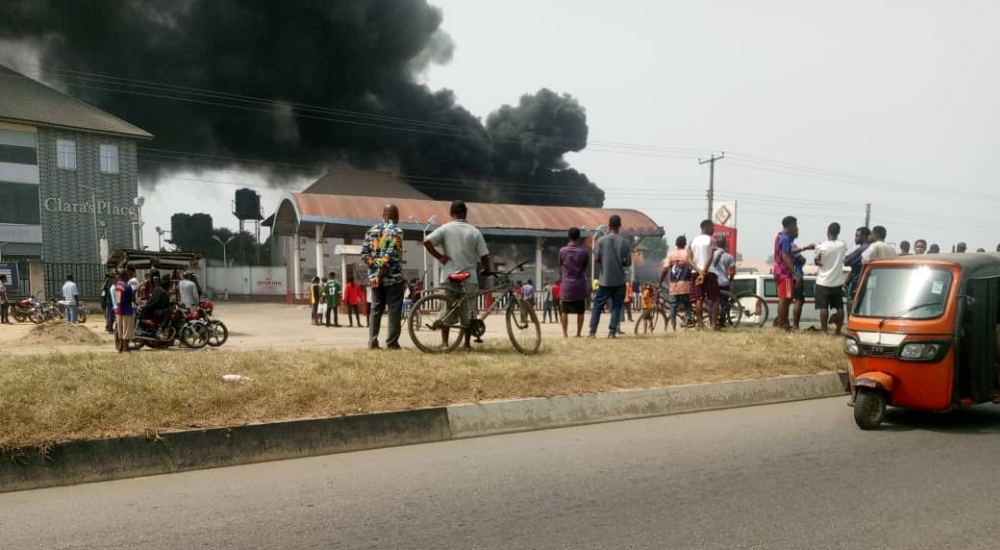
[(44, 399)]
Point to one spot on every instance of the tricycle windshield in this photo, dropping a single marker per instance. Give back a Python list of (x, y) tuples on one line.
[(919, 292)]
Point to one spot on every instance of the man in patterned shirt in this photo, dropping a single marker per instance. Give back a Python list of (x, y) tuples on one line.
[(383, 254)]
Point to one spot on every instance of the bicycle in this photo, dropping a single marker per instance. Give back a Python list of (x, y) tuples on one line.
[(441, 308), (731, 316), (653, 320)]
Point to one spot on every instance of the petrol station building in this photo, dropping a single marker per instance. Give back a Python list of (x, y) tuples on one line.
[(322, 229)]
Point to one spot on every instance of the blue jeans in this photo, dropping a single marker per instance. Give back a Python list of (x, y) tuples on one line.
[(72, 313), (616, 294), (677, 300)]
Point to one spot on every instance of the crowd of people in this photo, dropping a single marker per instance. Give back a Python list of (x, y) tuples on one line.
[(694, 275)]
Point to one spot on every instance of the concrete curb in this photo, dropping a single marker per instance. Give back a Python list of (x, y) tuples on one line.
[(497, 417), (108, 459), (119, 458)]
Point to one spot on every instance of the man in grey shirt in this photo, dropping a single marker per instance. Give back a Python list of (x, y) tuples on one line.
[(188, 291), (613, 254), (460, 246)]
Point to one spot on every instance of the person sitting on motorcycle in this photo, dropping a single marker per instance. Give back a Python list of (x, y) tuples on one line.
[(158, 306)]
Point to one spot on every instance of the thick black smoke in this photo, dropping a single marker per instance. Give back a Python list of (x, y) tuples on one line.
[(354, 59)]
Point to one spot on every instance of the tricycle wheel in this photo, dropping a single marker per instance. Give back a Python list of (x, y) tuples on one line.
[(869, 409)]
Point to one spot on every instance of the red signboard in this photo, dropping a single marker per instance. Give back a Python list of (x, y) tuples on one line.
[(730, 235)]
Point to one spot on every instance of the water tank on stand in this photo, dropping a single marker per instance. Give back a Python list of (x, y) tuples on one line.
[(247, 205)]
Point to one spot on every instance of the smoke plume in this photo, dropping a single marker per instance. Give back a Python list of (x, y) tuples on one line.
[(301, 82)]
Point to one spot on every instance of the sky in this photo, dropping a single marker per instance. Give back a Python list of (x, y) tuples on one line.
[(820, 108)]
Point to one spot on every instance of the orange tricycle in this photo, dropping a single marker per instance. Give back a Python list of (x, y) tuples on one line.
[(923, 334)]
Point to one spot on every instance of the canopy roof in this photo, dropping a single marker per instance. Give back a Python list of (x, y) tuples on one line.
[(350, 216), (146, 259)]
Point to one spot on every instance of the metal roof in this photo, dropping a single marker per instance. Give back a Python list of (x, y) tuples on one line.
[(350, 216), (28, 101)]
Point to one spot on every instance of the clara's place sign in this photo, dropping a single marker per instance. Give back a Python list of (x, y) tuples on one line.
[(56, 204)]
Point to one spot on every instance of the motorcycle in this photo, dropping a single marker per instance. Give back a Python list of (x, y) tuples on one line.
[(59, 307), (178, 324), (21, 311), (218, 333)]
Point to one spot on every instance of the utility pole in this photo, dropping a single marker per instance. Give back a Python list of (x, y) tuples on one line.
[(868, 214), (711, 180)]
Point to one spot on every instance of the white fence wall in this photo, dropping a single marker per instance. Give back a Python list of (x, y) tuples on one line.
[(248, 281)]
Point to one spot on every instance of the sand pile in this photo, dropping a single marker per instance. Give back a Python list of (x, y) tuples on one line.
[(60, 333)]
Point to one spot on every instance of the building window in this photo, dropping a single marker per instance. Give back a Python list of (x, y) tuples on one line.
[(109, 159), (19, 204), (66, 154)]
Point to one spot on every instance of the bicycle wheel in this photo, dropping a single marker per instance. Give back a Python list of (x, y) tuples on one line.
[(218, 333), (523, 328), (755, 310), (733, 314), (651, 321), (431, 315)]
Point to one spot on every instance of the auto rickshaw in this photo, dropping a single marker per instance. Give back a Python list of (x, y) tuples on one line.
[(923, 333)]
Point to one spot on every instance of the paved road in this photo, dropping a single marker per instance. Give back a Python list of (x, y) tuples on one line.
[(784, 476)]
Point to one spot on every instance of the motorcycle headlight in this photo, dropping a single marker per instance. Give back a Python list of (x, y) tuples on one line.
[(922, 351), (851, 346)]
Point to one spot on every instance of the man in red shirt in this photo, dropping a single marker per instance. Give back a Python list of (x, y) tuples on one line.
[(556, 297), (353, 296)]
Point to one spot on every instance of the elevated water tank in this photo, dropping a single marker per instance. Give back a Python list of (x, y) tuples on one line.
[(247, 205)]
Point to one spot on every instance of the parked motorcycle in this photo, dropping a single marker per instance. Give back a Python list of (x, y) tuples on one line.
[(60, 310), (218, 333), (181, 324), (21, 311)]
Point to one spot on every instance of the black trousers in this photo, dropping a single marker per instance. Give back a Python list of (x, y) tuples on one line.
[(331, 309), (109, 319), (354, 310), (3, 313), (390, 296)]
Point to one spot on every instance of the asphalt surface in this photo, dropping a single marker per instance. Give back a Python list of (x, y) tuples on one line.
[(793, 476)]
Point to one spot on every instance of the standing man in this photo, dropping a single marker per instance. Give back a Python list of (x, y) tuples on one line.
[(124, 311), (830, 279), (920, 247), (904, 248), (333, 292), (677, 272), (557, 296), (547, 302), (878, 249), (383, 254), (528, 293), (784, 268), (799, 296), (960, 248), (574, 285), (353, 295), (706, 284), (71, 298), (188, 292), (854, 261), (723, 266), (462, 248), (4, 304), (614, 254)]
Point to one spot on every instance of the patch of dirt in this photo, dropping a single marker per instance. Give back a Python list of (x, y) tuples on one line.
[(60, 334)]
